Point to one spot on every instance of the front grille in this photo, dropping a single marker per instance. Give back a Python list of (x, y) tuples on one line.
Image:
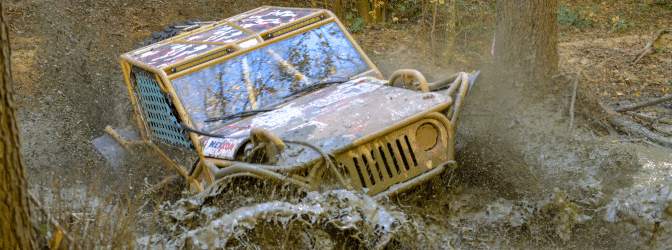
[(391, 159), (159, 117)]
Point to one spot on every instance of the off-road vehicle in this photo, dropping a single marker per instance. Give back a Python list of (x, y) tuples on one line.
[(286, 94)]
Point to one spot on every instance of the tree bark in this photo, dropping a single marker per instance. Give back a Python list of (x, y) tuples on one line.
[(364, 10), (526, 39), (15, 225), (336, 8), (450, 32)]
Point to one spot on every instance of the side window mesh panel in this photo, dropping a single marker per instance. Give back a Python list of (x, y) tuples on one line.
[(159, 117)]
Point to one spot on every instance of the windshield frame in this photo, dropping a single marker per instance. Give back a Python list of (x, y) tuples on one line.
[(370, 71)]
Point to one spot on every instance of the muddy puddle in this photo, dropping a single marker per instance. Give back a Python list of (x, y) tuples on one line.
[(446, 213), (642, 213)]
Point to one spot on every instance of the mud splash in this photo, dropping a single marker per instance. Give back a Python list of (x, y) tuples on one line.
[(327, 220)]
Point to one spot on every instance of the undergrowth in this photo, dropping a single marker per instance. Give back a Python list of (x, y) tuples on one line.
[(569, 16), (70, 215), (356, 24)]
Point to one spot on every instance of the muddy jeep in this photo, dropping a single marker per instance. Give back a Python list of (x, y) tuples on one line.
[(286, 94)]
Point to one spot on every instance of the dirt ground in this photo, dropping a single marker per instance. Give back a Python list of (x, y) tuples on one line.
[(524, 181)]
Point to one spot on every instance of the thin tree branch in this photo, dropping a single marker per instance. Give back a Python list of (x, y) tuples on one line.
[(648, 46), (52, 221), (571, 106), (649, 118), (645, 104), (633, 128)]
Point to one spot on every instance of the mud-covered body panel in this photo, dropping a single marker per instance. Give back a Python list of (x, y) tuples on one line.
[(334, 117)]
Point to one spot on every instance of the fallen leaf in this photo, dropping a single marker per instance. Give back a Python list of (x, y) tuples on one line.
[(55, 241)]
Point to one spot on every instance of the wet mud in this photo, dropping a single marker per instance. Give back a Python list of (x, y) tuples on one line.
[(329, 220)]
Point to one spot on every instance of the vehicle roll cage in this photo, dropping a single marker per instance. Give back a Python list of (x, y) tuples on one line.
[(219, 52)]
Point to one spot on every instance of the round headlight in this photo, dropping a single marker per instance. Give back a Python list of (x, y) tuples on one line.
[(427, 136)]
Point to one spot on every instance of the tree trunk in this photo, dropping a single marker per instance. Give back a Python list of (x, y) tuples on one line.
[(505, 110), (15, 225), (336, 8), (526, 39), (364, 10), (450, 32), (378, 11), (383, 17)]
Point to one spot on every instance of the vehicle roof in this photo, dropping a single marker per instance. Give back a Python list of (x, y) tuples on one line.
[(244, 31)]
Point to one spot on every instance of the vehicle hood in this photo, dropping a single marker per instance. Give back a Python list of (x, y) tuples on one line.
[(330, 118)]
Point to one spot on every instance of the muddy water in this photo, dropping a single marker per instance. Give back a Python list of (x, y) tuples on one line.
[(446, 213), (642, 213), (657, 165)]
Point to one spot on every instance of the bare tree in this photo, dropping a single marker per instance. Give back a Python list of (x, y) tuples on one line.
[(15, 225), (526, 39)]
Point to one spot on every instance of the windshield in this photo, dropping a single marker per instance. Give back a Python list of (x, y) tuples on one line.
[(262, 77)]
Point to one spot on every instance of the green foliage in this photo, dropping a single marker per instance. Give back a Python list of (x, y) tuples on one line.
[(44, 228), (398, 6), (618, 24), (355, 24), (665, 4), (406, 9), (570, 17)]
